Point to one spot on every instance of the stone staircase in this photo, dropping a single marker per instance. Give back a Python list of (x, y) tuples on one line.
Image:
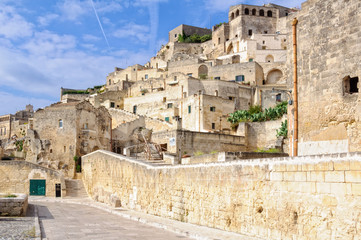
[(75, 188)]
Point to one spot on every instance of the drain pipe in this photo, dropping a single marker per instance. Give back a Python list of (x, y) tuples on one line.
[(295, 93)]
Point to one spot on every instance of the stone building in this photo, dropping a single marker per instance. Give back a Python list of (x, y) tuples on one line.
[(328, 76), (187, 30), (64, 130)]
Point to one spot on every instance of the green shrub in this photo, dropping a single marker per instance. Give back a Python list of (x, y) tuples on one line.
[(198, 153), (76, 92), (10, 196), (213, 152), (19, 145), (194, 38), (76, 158), (203, 76), (283, 131), (219, 24), (271, 150)]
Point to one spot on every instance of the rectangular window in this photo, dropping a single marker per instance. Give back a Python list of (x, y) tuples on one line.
[(217, 78), (85, 125), (166, 119), (240, 78), (351, 85), (189, 109), (164, 99), (135, 109), (250, 32), (169, 105), (60, 123), (230, 98), (263, 47), (189, 74), (250, 60), (212, 109), (112, 105), (278, 98), (146, 76), (213, 126)]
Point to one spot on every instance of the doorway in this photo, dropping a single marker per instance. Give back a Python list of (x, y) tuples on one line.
[(57, 190), (37, 187)]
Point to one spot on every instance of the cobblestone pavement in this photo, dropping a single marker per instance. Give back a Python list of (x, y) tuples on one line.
[(16, 228), (74, 221)]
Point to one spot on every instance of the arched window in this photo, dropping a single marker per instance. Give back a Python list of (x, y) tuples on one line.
[(216, 93), (269, 13), (246, 11), (269, 59), (237, 13), (232, 16), (253, 11), (261, 12)]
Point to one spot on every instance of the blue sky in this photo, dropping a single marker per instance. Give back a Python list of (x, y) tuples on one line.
[(45, 45)]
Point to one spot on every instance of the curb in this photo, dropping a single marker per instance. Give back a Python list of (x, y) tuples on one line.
[(37, 224)]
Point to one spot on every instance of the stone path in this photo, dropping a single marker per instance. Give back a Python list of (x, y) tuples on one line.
[(15, 228), (60, 220)]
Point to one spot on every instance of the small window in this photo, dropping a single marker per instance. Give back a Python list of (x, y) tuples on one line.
[(175, 78), (253, 11), (112, 104), (166, 119), (350, 84), (135, 109), (246, 11), (216, 93), (189, 109), (250, 60), (230, 98), (236, 35), (169, 105), (250, 32), (240, 78), (212, 109), (286, 13), (189, 74), (278, 97), (213, 126), (164, 99), (263, 47), (146, 76), (237, 13), (217, 78), (85, 125), (265, 32), (264, 42), (51, 150), (110, 82), (184, 94), (261, 12), (60, 123), (64, 148), (175, 35), (269, 13), (219, 40)]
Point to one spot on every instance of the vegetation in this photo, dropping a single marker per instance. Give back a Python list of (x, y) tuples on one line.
[(19, 145), (271, 150), (213, 152), (98, 87), (283, 131), (219, 24), (10, 196), (76, 92), (194, 38), (76, 158), (255, 114), (203, 76), (198, 153)]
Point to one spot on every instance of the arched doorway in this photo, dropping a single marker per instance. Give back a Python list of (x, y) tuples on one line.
[(202, 71), (269, 59), (274, 76), (230, 48)]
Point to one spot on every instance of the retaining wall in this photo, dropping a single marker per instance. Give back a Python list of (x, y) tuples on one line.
[(314, 197)]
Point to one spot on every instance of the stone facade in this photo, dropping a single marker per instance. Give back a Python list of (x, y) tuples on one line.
[(329, 110), (14, 206), (188, 30), (282, 198), (15, 177)]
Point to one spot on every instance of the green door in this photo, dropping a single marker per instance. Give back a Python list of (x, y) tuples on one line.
[(37, 187)]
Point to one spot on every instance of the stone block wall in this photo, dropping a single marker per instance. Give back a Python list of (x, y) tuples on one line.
[(16, 206), (15, 177), (316, 197)]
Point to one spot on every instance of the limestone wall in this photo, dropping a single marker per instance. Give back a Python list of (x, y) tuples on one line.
[(15, 177), (315, 197)]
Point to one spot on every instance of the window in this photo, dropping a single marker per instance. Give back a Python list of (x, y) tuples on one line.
[(212, 109), (265, 32), (261, 12), (286, 13), (216, 93), (219, 40), (112, 104), (250, 32), (246, 11), (269, 13), (135, 109), (278, 97), (189, 74), (263, 47), (164, 99), (175, 35), (217, 78), (237, 13), (110, 82), (264, 42), (85, 125), (350, 84), (64, 148), (175, 78), (169, 105), (240, 78), (60, 123), (213, 126), (189, 109), (232, 16), (146, 76), (230, 98), (166, 119), (253, 11), (250, 60), (184, 94)]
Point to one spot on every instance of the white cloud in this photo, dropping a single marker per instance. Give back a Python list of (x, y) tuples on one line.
[(141, 32), (74, 9), (108, 6), (50, 44), (91, 38), (12, 25), (47, 19)]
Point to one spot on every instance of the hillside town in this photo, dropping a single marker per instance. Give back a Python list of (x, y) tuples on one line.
[(272, 102)]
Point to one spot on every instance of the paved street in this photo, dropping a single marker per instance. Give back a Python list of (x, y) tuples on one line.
[(74, 221)]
